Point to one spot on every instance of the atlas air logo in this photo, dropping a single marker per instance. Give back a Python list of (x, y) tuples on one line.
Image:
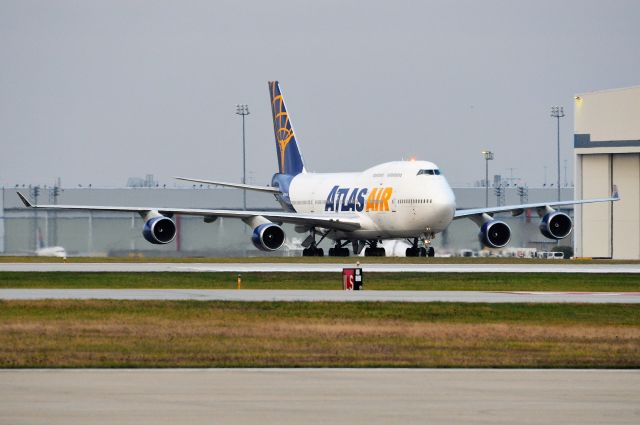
[(283, 128), (356, 199), (284, 133)]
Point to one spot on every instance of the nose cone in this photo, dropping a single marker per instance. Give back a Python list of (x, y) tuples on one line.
[(444, 203)]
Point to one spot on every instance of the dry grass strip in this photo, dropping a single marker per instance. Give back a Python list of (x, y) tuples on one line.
[(100, 334)]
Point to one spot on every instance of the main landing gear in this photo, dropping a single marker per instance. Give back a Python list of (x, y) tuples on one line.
[(339, 250), (373, 250), (313, 250), (415, 251)]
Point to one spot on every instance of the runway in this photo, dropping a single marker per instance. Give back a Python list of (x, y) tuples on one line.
[(320, 267), (319, 396), (256, 295)]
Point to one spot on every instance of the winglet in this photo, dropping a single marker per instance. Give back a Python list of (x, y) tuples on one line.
[(25, 201), (615, 193)]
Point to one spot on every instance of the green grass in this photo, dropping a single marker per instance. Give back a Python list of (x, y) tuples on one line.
[(237, 311), (586, 282), (274, 334)]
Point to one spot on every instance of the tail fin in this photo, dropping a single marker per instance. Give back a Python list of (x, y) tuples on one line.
[(289, 157)]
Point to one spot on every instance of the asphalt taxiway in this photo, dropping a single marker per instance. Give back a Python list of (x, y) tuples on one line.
[(319, 396), (291, 295), (321, 267)]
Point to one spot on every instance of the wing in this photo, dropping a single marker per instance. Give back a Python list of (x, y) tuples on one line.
[(329, 221), (519, 209), (267, 189)]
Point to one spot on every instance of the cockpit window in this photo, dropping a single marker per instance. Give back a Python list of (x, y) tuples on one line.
[(431, 172)]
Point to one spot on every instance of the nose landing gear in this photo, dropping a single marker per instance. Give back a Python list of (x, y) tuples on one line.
[(415, 250), (423, 251)]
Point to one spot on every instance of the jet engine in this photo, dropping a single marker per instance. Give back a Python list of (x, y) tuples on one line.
[(495, 234), (268, 237), (556, 225), (159, 230)]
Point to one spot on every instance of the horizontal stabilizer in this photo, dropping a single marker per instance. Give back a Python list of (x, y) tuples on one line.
[(256, 188)]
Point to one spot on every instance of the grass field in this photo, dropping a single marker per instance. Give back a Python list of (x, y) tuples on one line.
[(96, 333), (374, 281), (234, 334)]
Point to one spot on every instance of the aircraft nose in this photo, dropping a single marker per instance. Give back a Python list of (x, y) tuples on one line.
[(445, 202)]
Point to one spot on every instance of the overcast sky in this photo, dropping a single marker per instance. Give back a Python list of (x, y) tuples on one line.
[(99, 91)]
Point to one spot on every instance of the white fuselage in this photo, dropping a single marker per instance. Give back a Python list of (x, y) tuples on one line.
[(52, 251), (402, 199)]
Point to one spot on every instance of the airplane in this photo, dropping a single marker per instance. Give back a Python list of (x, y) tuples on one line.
[(409, 200), (49, 251), (43, 250)]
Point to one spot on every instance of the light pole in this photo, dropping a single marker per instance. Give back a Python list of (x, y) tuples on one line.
[(488, 155), (558, 112), (243, 110)]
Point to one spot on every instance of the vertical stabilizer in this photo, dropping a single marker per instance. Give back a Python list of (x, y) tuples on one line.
[(289, 157)]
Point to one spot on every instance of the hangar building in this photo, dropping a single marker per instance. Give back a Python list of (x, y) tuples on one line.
[(607, 149)]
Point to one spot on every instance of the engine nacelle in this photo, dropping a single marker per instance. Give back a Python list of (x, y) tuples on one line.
[(495, 234), (556, 225), (268, 237), (159, 230)]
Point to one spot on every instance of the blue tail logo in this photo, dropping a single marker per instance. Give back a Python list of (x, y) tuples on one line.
[(289, 157)]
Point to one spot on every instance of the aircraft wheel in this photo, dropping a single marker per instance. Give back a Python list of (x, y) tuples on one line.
[(332, 252), (380, 252), (319, 252), (431, 252), (422, 252)]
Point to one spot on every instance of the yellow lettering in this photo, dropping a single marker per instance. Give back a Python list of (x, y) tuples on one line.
[(371, 200), (378, 199), (386, 195)]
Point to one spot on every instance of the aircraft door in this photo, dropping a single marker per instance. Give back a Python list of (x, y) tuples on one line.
[(313, 201)]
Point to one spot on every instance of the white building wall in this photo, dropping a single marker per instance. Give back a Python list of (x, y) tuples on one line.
[(609, 114), (607, 147), (626, 212), (595, 223)]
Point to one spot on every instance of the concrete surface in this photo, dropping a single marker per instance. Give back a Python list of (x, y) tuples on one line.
[(551, 267), (322, 295), (319, 396)]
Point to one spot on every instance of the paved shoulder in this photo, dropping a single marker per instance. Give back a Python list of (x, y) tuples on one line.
[(251, 295), (320, 267), (319, 396)]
